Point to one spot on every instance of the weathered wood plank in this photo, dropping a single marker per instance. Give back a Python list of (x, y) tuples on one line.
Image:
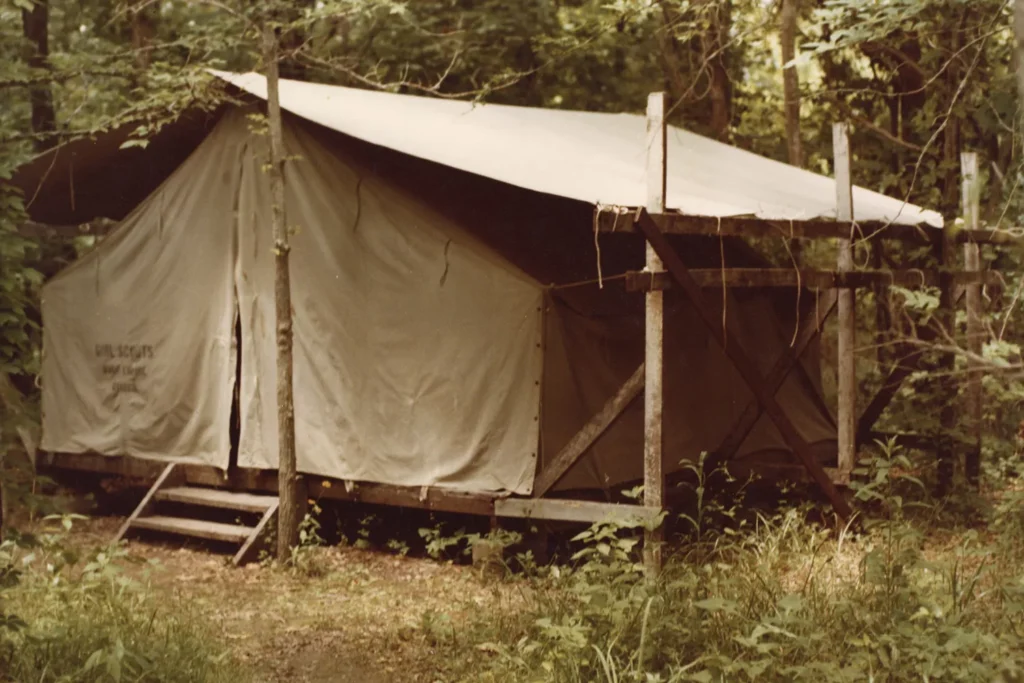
[(979, 236), (749, 227), (742, 362), (166, 476), (589, 433), (892, 383), (654, 336), (809, 329), (711, 278), (199, 528), (575, 510), (846, 371), (217, 498), (266, 480), (945, 320), (245, 553), (975, 327)]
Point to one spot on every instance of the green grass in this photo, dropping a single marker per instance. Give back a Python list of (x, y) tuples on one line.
[(906, 594), (87, 622)]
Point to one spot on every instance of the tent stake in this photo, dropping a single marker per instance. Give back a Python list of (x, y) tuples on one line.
[(654, 349), (846, 368)]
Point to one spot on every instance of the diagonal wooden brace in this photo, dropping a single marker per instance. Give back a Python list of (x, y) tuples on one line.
[(809, 330), (741, 361), (905, 367), (589, 433)]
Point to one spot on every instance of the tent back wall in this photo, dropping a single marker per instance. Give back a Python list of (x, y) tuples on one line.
[(94, 177)]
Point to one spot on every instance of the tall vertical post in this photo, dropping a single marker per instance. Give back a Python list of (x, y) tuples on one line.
[(654, 483), (847, 318), (288, 483), (945, 318), (975, 330)]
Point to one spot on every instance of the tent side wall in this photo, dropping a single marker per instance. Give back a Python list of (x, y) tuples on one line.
[(592, 350), (594, 336)]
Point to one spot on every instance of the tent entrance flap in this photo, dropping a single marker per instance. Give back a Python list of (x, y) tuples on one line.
[(138, 351)]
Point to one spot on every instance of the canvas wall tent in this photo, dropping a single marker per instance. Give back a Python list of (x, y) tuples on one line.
[(431, 347)]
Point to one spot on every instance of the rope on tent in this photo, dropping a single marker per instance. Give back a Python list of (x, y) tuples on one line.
[(444, 275), (597, 242), (582, 283), (725, 290), (359, 204), (799, 286)]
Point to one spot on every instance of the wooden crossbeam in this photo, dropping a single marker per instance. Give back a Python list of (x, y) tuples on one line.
[(678, 224), (575, 510), (903, 369), (790, 358), (589, 433), (642, 281), (987, 237), (741, 361), (426, 498)]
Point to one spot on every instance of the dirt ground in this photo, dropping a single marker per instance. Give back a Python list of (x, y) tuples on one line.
[(366, 616)]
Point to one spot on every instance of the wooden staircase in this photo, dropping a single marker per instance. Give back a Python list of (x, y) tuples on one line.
[(170, 490)]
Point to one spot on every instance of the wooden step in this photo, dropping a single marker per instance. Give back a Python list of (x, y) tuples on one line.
[(214, 531), (217, 498)]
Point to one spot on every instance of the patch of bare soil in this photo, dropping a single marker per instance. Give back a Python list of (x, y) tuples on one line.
[(366, 616)]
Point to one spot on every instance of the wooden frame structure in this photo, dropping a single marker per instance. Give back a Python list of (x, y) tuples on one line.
[(664, 272)]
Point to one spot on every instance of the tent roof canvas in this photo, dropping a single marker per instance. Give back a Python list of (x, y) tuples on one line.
[(597, 158)]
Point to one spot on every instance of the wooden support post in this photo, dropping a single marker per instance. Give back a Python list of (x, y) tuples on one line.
[(744, 365), (975, 329), (944, 383), (654, 481), (883, 325), (846, 414)]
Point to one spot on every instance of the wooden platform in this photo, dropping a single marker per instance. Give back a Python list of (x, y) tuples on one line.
[(247, 491)]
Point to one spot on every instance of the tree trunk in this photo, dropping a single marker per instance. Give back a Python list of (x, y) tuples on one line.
[(1018, 30), (290, 510), (720, 86), (791, 81), (35, 27), (791, 100), (143, 27)]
